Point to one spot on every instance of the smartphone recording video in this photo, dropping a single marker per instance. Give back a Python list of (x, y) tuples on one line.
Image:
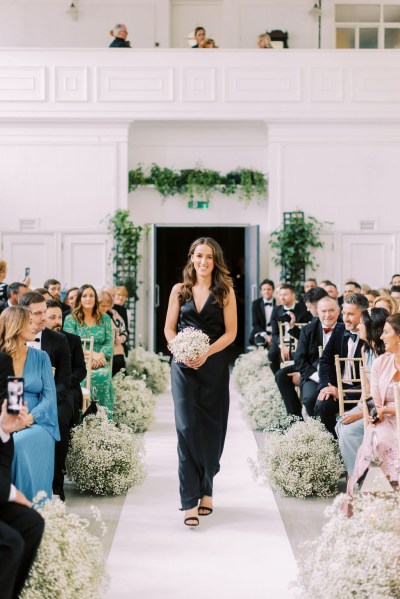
[(15, 394)]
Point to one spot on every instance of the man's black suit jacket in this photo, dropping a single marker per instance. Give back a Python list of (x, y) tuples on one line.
[(78, 366), (3, 306), (56, 346), (299, 310), (7, 449), (337, 345), (258, 319), (307, 352)]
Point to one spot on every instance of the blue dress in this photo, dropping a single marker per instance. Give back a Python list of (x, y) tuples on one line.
[(33, 463)]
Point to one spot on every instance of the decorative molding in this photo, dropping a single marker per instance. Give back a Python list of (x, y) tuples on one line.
[(135, 84), (71, 84), (198, 84), (22, 84), (263, 84), (376, 84), (326, 85)]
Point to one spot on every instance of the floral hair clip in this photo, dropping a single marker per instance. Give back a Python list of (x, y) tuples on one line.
[(369, 310)]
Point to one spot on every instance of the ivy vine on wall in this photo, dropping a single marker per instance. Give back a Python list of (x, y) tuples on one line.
[(200, 182)]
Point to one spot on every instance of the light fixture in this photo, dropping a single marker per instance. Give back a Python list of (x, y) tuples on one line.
[(316, 11), (73, 11)]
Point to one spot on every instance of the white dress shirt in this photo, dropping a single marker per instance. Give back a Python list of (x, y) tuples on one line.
[(37, 343), (325, 338)]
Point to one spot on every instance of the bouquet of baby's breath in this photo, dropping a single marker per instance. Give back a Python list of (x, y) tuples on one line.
[(189, 344), (70, 563), (355, 557), (249, 367), (263, 406), (103, 458), (153, 367), (134, 403), (302, 461)]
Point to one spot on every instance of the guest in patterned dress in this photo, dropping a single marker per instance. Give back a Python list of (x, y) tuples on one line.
[(33, 463), (385, 371), (87, 321)]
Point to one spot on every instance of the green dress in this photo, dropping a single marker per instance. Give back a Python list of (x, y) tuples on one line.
[(101, 382)]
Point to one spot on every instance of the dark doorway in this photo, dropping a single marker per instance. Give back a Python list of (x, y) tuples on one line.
[(172, 245)]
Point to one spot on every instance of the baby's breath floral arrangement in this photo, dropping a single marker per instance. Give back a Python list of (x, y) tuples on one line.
[(355, 557), (154, 367), (189, 344), (103, 458), (263, 406), (134, 403), (249, 367), (70, 563), (302, 461)]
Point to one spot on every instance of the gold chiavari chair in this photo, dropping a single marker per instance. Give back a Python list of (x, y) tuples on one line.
[(351, 365), (287, 340), (87, 346)]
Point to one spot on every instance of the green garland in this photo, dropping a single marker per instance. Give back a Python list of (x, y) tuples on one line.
[(200, 182)]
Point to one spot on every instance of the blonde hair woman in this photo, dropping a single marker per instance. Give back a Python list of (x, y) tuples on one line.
[(120, 332), (264, 41), (33, 464), (388, 302)]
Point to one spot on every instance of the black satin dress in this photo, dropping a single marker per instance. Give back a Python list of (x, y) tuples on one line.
[(201, 399)]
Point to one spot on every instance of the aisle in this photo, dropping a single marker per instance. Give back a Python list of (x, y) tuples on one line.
[(240, 550)]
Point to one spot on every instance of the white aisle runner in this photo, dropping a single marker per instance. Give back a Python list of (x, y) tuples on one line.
[(239, 551)]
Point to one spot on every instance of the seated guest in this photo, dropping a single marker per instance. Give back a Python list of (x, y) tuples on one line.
[(283, 313), (387, 302), (384, 291), (120, 332), (199, 36), (349, 288), (78, 370), (3, 284), (332, 290), (54, 288), (120, 297), (208, 43), (45, 293), (87, 321), (264, 41), (14, 292), (350, 426), (395, 292), (56, 346), (21, 527), (307, 354), (346, 343), (261, 310), (309, 284), (71, 297), (119, 33), (385, 371), (395, 280), (33, 464), (324, 283), (371, 295)]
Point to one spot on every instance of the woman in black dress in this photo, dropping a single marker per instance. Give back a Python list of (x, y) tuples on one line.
[(200, 388)]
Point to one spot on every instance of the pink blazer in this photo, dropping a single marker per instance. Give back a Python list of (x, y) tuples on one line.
[(382, 375)]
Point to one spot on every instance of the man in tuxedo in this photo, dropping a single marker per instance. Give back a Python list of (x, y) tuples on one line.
[(284, 312), (311, 337), (54, 319), (332, 290), (310, 284), (54, 288), (21, 528), (395, 280), (349, 288), (14, 292), (261, 310), (56, 346), (344, 342)]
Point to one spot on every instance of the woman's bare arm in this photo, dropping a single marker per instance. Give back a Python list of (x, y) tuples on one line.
[(171, 320)]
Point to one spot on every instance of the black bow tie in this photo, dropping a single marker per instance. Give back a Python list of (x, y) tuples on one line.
[(37, 340), (288, 309), (267, 303), (352, 335)]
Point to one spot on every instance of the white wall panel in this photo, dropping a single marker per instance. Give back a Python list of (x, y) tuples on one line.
[(326, 85), (369, 258), (38, 251), (135, 84), (374, 85), (71, 84), (22, 84), (85, 259), (263, 84), (198, 84)]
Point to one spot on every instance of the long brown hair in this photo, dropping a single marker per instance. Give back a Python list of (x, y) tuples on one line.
[(13, 321), (77, 312), (394, 321), (221, 282)]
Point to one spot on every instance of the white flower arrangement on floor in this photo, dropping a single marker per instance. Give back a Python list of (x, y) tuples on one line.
[(249, 367), (134, 403), (301, 462), (263, 406), (189, 344), (355, 557), (103, 458), (70, 563), (155, 368)]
